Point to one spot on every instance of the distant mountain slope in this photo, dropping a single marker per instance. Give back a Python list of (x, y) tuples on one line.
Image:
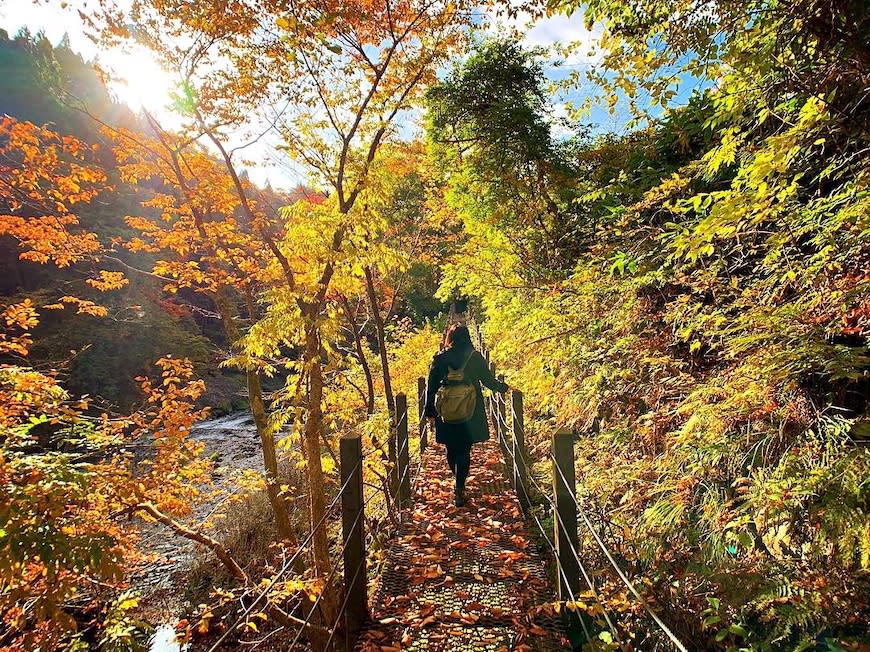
[(41, 83)]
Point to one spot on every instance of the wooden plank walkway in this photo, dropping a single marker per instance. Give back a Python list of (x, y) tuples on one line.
[(463, 578)]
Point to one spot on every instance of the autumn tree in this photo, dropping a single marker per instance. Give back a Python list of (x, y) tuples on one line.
[(396, 201), (490, 128), (204, 246), (358, 67), (68, 472), (341, 75), (713, 338), (409, 243)]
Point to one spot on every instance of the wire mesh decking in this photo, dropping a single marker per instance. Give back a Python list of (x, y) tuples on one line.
[(465, 578)]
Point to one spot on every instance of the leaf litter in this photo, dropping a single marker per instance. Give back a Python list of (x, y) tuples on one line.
[(463, 577)]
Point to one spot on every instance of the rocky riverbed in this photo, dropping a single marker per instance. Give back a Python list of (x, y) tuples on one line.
[(233, 442)]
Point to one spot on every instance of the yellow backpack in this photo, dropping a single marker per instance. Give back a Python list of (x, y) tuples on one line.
[(455, 399)]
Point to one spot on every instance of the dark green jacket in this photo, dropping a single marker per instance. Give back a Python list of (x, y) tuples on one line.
[(476, 372)]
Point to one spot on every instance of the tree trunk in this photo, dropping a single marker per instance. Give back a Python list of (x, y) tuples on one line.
[(270, 457), (258, 411), (385, 367), (316, 489), (361, 356)]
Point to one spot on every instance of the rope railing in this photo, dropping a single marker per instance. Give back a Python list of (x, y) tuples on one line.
[(565, 531), (525, 484), (342, 610), (421, 427), (563, 576), (403, 474), (565, 581), (622, 576), (354, 607), (334, 571)]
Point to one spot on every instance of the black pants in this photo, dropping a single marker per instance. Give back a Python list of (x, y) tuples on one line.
[(459, 461)]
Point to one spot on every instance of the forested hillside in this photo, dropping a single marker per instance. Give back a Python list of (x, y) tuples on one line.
[(693, 298), (690, 295), (52, 85)]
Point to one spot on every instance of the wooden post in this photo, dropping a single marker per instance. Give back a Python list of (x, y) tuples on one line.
[(518, 446), (392, 453), (565, 519), (490, 400), (497, 407), (352, 527), (402, 444), (421, 407), (501, 413)]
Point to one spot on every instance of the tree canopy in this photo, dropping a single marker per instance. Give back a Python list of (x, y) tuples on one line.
[(690, 295)]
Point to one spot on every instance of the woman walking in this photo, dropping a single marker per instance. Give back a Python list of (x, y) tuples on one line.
[(459, 356)]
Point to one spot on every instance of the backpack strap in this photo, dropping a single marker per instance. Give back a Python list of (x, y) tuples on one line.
[(464, 364)]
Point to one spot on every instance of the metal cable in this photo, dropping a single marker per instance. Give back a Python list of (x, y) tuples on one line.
[(342, 610), (619, 571), (556, 556), (406, 471), (586, 577), (500, 419), (417, 473), (335, 567), (302, 546), (326, 587), (287, 564), (558, 566), (495, 413)]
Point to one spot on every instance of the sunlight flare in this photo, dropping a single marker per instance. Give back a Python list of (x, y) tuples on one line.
[(137, 79)]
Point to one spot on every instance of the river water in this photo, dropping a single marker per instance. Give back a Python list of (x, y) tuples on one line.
[(233, 441)]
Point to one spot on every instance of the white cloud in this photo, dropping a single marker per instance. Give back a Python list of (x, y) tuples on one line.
[(562, 120), (552, 33), (568, 42)]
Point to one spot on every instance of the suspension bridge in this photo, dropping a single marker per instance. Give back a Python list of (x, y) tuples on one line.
[(491, 576), (503, 573)]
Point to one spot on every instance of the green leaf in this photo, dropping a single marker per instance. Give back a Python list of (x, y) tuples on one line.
[(737, 630), (712, 620)]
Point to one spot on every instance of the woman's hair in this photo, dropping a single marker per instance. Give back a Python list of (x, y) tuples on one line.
[(457, 337)]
